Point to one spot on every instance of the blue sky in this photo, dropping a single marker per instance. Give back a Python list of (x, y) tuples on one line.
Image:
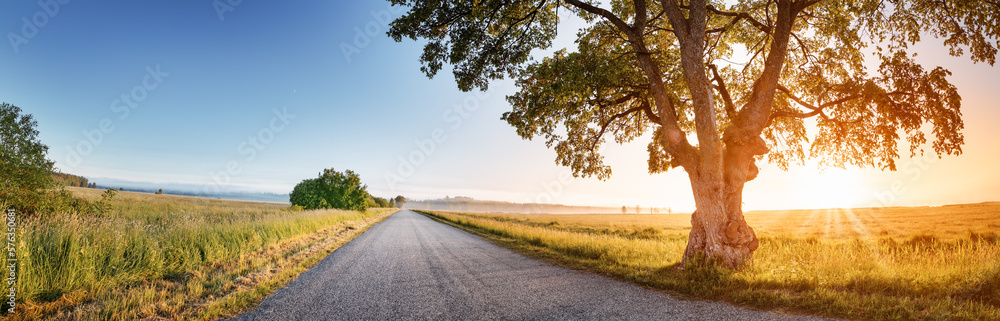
[(208, 91)]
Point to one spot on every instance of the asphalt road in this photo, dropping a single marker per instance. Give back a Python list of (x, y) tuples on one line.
[(410, 267)]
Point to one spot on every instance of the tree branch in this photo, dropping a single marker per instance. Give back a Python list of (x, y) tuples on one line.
[(737, 16), (755, 114), (788, 93), (611, 17), (649, 113), (723, 91), (517, 21), (803, 4), (690, 31), (640, 16), (605, 125), (818, 110), (618, 101), (676, 18), (799, 115)]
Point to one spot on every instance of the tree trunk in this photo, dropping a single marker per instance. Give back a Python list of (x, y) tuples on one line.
[(719, 231)]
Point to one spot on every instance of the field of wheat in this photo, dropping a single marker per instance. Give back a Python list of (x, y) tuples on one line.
[(924, 263)]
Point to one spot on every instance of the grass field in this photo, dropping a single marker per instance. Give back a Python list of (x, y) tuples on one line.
[(169, 257), (923, 263)]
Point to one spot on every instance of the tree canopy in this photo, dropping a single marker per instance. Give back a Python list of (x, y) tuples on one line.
[(626, 77), (332, 189)]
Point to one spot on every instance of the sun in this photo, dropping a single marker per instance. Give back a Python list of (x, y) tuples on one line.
[(829, 187)]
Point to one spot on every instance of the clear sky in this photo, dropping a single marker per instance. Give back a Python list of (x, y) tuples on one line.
[(261, 95)]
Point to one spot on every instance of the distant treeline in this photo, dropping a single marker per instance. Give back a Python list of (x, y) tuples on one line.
[(468, 204), (72, 180)]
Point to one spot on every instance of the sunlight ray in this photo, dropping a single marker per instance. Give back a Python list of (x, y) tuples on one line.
[(856, 224), (808, 227), (829, 224)]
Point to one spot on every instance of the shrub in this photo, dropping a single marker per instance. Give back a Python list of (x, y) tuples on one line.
[(332, 189)]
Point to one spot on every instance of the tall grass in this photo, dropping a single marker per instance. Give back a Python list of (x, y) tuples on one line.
[(146, 238), (830, 266)]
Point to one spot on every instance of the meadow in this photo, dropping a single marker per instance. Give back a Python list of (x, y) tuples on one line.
[(161, 257), (908, 263)]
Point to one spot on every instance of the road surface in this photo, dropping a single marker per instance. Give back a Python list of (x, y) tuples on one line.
[(410, 267)]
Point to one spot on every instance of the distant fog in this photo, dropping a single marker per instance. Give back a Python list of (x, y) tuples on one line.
[(468, 204)]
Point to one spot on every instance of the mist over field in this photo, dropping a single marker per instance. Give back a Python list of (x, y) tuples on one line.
[(468, 204)]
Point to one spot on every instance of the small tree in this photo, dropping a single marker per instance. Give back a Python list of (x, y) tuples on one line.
[(345, 190), (332, 189), (308, 194), (379, 202), (400, 201), (624, 209), (25, 173), (159, 191)]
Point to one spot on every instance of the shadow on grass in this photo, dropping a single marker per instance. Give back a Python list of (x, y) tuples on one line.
[(698, 276)]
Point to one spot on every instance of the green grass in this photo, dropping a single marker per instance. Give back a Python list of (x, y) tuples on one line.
[(162, 256), (931, 263)]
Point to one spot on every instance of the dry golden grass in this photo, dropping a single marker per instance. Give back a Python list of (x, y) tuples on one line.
[(946, 222), (923, 263), (169, 257)]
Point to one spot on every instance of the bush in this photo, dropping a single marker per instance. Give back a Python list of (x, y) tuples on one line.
[(332, 189)]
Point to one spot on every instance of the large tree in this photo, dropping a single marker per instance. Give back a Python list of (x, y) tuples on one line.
[(738, 79)]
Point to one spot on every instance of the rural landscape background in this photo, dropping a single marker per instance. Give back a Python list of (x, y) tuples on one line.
[(196, 152)]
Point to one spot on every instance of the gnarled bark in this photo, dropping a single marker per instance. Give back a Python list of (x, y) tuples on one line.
[(718, 229)]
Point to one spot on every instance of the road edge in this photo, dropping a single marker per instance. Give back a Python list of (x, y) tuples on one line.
[(237, 304)]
